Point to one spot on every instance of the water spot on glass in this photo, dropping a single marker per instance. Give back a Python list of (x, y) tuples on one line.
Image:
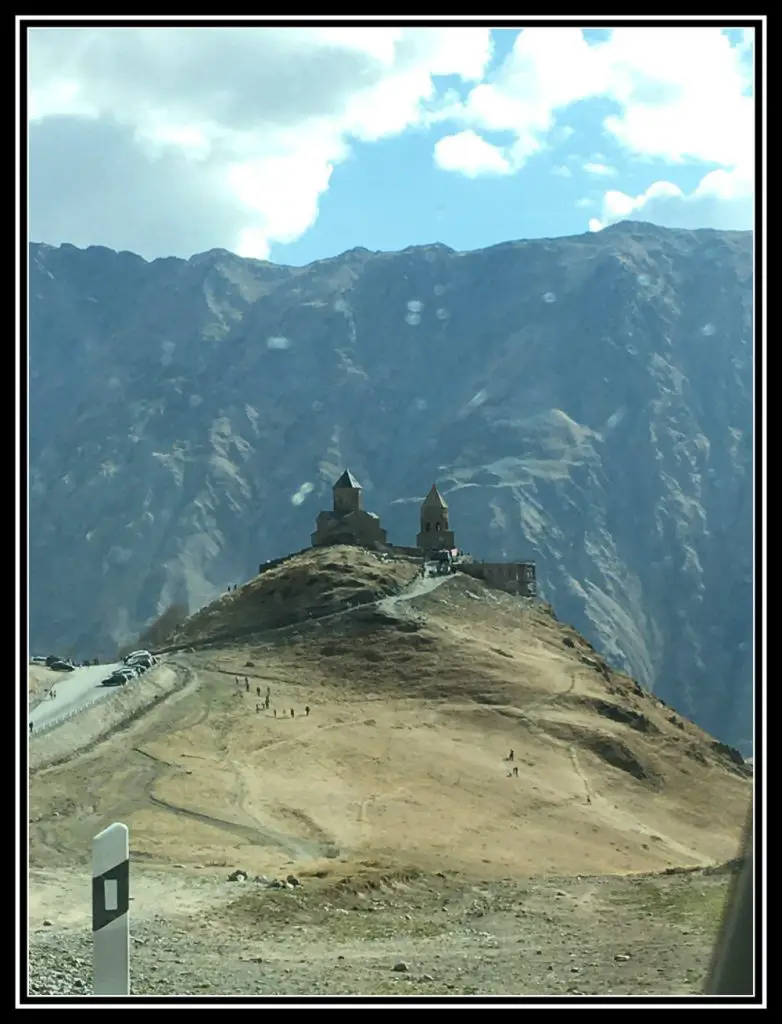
[(195, 400), (549, 297), (644, 279), (743, 646), (616, 417), (442, 313), (277, 342), (317, 406), (167, 352), (301, 494), (420, 404), (413, 319), (340, 306), (632, 350), (415, 305), (439, 289), (477, 399), (708, 329)]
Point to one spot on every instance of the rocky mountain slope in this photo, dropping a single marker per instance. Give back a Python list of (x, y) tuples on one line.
[(585, 402)]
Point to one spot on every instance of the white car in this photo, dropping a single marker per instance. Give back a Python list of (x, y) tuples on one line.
[(136, 654), (140, 658)]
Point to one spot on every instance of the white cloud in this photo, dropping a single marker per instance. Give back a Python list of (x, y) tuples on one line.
[(721, 200), (681, 95), (584, 202), (601, 170), (171, 141), (471, 155)]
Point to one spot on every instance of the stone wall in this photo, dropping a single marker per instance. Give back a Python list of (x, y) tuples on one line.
[(512, 577)]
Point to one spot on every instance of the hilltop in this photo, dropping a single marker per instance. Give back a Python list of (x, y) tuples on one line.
[(392, 804), (584, 403), (416, 701)]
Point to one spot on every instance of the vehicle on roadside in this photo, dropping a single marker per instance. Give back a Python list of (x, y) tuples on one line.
[(119, 677), (60, 665), (139, 658)]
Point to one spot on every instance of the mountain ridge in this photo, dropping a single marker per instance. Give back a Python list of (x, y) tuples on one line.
[(584, 402)]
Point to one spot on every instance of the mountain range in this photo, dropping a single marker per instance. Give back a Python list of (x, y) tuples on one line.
[(582, 402)]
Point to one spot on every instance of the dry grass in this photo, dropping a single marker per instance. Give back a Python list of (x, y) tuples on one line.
[(317, 581), (401, 760)]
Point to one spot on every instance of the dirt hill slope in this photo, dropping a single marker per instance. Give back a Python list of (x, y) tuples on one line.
[(415, 704)]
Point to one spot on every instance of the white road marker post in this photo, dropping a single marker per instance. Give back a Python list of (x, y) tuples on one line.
[(110, 919)]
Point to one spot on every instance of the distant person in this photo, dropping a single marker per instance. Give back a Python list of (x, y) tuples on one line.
[(293, 713), (275, 712), (258, 691), (31, 726), (307, 710), (266, 703), (246, 686), (510, 755), (246, 680), (516, 771), (53, 693)]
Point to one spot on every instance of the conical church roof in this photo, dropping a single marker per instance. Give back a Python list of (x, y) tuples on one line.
[(347, 482), (434, 499)]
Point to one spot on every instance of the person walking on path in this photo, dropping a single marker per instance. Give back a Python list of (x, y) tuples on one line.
[(293, 713), (307, 710)]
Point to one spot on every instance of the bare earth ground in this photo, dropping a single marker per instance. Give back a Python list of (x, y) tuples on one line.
[(397, 781), (458, 935)]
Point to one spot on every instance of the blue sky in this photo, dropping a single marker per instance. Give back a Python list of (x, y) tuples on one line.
[(296, 144)]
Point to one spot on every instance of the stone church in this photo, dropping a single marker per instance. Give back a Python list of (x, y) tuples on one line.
[(347, 522)]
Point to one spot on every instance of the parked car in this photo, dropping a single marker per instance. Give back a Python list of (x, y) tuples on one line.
[(139, 656), (60, 665), (119, 677), (143, 658), (115, 679)]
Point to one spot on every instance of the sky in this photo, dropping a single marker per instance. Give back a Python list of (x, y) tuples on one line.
[(296, 144)]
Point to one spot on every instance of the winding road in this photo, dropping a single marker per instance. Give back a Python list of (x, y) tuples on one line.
[(74, 691)]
